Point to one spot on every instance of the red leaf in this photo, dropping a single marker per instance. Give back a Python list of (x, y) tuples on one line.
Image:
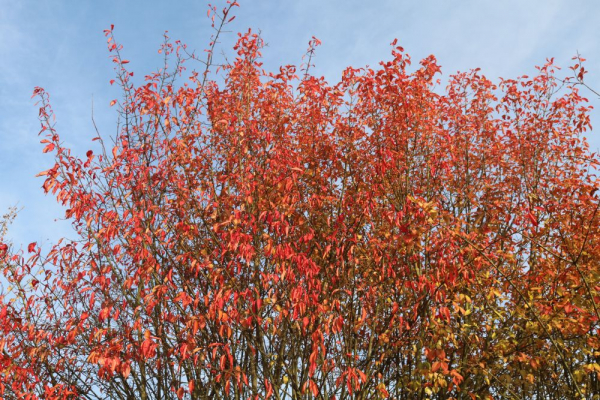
[(532, 218), (126, 370)]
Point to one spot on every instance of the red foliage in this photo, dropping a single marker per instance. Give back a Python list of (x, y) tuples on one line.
[(273, 236)]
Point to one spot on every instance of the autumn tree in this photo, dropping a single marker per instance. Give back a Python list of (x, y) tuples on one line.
[(267, 235)]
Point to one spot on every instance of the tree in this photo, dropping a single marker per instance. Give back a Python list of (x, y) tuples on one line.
[(262, 235)]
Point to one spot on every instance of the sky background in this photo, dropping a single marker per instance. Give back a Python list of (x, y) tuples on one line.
[(60, 46)]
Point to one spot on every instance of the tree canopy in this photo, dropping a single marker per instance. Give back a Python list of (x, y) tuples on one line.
[(250, 234)]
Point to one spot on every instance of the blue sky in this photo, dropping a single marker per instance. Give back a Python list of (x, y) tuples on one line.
[(59, 45)]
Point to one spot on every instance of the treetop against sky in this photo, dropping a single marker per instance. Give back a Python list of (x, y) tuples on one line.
[(245, 228), (59, 46)]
